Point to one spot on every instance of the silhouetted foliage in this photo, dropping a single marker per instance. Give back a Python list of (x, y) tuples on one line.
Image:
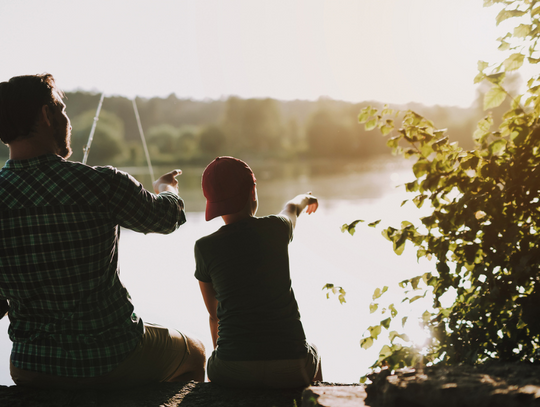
[(256, 127), (483, 228)]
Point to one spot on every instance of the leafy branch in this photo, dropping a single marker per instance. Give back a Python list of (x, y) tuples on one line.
[(482, 230)]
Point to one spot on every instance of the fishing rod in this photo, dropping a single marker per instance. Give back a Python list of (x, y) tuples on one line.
[(143, 139), (141, 133), (92, 130)]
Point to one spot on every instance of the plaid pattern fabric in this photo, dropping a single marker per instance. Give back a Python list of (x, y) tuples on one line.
[(59, 227)]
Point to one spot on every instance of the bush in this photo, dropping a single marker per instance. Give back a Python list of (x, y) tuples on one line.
[(483, 229)]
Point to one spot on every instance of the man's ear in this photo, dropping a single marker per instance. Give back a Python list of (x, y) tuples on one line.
[(254, 192), (46, 114)]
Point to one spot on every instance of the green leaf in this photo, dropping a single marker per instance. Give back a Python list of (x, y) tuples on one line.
[(386, 129), (514, 62), (373, 307), (427, 277), (366, 343), (482, 65), (494, 97), (506, 14), (374, 331), (496, 78), (387, 111), (497, 147), (399, 244), (486, 123), (385, 352), (378, 292), (351, 228), (373, 224), (386, 322), (393, 310), (395, 334), (516, 101), (419, 200), (404, 321), (371, 124), (504, 46), (421, 167), (522, 30), (415, 281), (364, 114)]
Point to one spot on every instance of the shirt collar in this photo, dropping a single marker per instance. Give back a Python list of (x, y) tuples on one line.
[(35, 162)]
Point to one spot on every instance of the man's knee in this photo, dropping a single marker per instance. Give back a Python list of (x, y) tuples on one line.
[(197, 354)]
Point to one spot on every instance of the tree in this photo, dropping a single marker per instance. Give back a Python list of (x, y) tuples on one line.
[(211, 140), (108, 142), (253, 125), (163, 138), (328, 137), (483, 231)]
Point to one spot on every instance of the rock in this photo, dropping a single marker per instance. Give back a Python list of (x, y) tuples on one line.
[(334, 396), (189, 394), (508, 385)]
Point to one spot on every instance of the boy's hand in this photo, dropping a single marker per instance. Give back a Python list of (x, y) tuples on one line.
[(312, 203), (296, 206), (167, 182)]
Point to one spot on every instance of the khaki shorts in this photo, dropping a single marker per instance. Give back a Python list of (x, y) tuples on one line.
[(287, 373), (156, 358)]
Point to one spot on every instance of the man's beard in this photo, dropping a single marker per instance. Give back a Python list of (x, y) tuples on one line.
[(62, 136)]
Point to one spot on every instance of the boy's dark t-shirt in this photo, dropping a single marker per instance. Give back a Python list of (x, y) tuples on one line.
[(247, 263)]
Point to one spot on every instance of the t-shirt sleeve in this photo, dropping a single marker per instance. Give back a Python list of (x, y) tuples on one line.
[(284, 224), (201, 272), (135, 208)]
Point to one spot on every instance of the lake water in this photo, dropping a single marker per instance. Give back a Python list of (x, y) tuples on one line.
[(158, 270)]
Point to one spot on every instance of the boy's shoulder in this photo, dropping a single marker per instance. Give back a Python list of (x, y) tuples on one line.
[(271, 222), (272, 225)]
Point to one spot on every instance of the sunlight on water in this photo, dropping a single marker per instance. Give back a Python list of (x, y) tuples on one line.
[(158, 270)]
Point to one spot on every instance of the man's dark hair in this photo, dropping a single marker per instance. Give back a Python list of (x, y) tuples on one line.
[(21, 99)]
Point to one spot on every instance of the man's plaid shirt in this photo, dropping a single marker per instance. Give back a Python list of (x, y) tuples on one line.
[(59, 227)]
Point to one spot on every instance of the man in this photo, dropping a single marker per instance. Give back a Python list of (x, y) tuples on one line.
[(71, 320)]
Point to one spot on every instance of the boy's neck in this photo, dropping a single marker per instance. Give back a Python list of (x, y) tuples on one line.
[(235, 217)]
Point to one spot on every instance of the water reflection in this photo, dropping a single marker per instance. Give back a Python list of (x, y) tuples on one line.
[(277, 182)]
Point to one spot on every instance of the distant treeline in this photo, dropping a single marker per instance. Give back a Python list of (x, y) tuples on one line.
[(184, 131)]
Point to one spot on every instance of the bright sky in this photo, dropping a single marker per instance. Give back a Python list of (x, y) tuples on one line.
[(393, 51)]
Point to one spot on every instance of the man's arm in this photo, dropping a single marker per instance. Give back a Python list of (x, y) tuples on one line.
[(135, 208), (4, 308), (209, 297), (295, 206)]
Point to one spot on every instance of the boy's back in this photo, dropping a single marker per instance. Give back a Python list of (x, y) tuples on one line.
[(247, 263), (243, 273)]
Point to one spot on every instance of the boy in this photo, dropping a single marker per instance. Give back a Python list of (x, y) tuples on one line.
[(243, 272)]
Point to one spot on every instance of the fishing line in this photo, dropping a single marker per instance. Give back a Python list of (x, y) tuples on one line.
[(143, 139), (139, 125)]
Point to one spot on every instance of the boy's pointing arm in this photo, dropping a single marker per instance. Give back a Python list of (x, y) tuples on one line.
[(295, 206)]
